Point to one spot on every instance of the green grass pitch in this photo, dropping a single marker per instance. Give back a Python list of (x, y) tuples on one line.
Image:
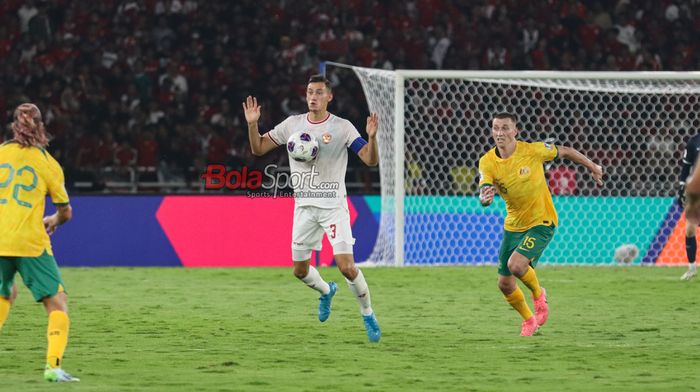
[(444, 329)]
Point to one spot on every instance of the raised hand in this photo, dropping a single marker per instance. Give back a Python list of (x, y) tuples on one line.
[(372, 125), (251, 109)]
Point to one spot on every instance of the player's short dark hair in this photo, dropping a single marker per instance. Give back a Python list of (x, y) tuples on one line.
[(502, 115), (319, 78)]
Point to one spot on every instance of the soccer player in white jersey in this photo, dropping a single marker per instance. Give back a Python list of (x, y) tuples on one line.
[(315, 215)]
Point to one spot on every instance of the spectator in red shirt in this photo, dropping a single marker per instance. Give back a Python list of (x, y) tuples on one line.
[(125, 155), (218, 151), (106, 149), (147, 150)]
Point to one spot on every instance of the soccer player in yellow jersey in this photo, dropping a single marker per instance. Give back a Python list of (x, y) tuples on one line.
[(27, 174), (515, 169)]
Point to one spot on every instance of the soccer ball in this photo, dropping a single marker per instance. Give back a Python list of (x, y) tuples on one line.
[(302, 147), (626, 253)]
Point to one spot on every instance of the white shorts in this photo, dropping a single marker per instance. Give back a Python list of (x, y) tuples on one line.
[(310, 222)]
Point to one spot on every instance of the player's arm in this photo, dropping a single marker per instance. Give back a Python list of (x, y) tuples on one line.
[(63, 214), (259, 144), (486, 189), (56, 186), (574, 156), (369, 153)]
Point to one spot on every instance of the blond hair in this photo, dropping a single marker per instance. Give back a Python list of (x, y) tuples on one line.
[(28, 128)]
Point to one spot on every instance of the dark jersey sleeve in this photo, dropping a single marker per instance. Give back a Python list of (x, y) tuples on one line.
[(690, 155)]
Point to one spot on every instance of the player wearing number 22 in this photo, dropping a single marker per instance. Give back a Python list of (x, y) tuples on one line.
[(515, 169), (315, 215), (27, 174)]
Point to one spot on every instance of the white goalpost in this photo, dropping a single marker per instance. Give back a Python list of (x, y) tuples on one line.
[(436, 124)]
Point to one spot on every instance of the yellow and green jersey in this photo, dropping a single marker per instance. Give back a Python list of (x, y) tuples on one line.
[(521, 182), (27, 175)]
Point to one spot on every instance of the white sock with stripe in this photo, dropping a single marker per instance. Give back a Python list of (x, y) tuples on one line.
[(314, 280), (361, 291)]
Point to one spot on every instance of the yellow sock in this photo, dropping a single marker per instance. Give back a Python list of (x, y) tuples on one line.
[(516, 299), (4, 310), (530, 280), (57, 335)]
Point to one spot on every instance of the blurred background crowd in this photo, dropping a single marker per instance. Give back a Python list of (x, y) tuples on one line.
[(151, 89)]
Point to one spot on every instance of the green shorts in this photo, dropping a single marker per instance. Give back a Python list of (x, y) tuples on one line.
[(40, 275), (530, 243)]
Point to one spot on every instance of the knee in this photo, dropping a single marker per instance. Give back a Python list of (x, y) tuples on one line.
[(505, 286), (346, 265), (58, 302), (517, 267), (300, 271), (348, 270)]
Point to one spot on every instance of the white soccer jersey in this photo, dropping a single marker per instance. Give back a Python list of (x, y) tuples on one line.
[(323, 182)]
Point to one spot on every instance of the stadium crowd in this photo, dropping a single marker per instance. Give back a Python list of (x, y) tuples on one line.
[(158, 83)]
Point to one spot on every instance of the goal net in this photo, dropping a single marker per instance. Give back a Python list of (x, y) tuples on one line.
[(435, 125)]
